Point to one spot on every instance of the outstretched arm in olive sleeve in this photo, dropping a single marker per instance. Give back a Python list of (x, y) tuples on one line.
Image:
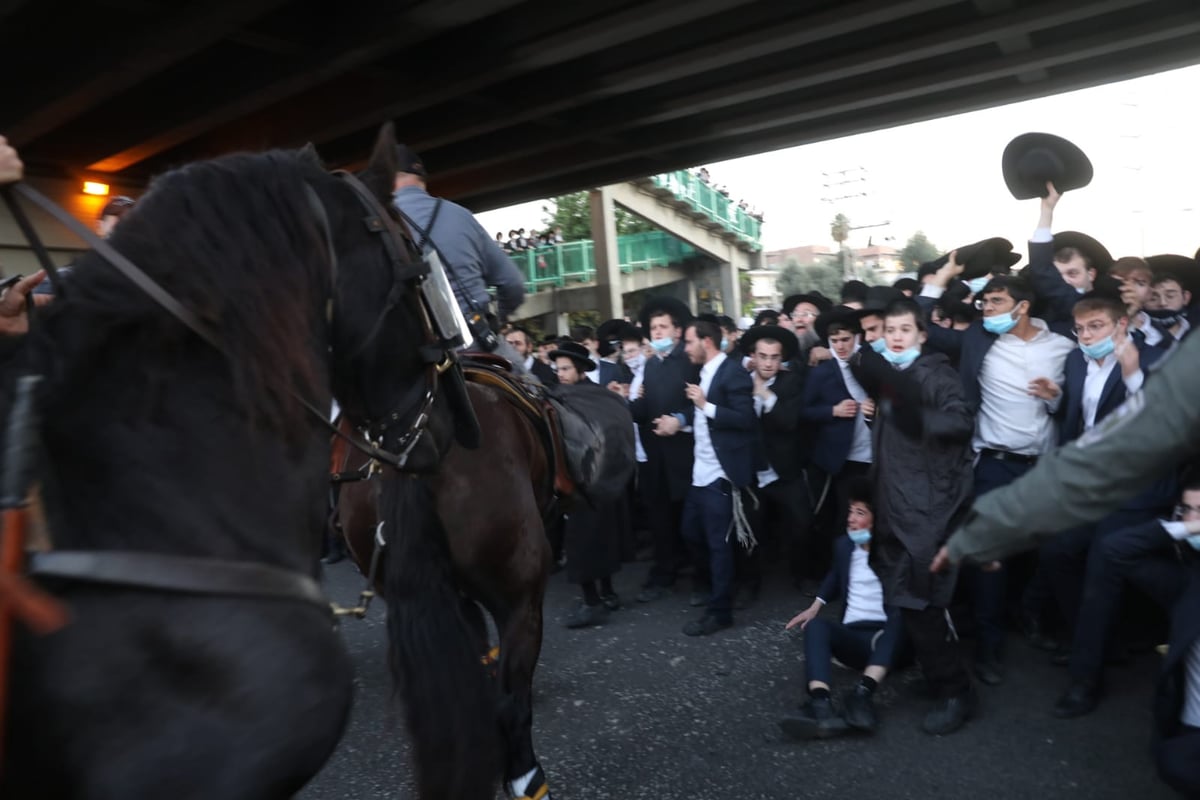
[(1082, 482)]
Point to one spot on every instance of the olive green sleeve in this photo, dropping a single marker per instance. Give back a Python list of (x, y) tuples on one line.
[(1082, 482)]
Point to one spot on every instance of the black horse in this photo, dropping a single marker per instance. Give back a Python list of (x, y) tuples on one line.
[(157, 443)]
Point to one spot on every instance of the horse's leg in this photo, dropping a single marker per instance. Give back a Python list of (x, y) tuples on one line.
[(520, 624)]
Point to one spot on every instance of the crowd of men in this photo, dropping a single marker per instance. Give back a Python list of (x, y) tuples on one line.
[(849, 439), (518, 241)]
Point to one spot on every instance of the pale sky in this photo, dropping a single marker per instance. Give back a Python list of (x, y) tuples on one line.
[(943, 176)]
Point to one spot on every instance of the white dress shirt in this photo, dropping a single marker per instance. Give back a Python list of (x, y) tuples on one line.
[(1142, 323), (766, 476), (1010, 418), (860, 445), (635, 385), (1097, 379), (864, 595), (706, 468)]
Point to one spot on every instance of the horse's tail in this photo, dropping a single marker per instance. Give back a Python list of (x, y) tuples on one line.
[(448, 696)]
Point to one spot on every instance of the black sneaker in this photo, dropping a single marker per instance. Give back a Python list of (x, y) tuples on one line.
[(699, 597), (611, 601), (1081, 698), (816, 720), (990, 671), (706, 626), (649, 594), (858, 708), (585, 616)]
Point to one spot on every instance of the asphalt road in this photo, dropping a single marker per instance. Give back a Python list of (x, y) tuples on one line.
[(634, 709)]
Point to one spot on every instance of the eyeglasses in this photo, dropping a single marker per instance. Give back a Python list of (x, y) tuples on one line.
[(1182, 510), (804, 314), (1094, 328)]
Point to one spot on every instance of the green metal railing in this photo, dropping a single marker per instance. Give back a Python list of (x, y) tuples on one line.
[(574, 262), (707, 200)]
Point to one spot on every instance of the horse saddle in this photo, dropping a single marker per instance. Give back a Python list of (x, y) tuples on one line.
[(587, 429)]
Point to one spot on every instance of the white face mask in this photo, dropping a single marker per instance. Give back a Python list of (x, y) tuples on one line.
[(636, 362)]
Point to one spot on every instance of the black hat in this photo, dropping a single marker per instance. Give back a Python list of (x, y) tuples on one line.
[(408, 161), (791, 345), (617, 330), (766, 317), (817, 299), (930, 267), (577, 353), (1031, 159), (843, 314), (1092, 250), (992, 255), (664, 304), (1181, 268), (878, 299), (904, 285)]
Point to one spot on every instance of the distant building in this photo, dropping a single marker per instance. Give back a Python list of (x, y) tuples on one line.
[(803, 255)]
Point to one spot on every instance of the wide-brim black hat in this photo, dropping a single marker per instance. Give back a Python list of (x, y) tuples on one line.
[(1031, 159), (987, 256), (577, 353), (878, 299), (1181, 268), (663, 304), (1092, 250), (618, 330), (816, 299), (791, 345), (843, 314)]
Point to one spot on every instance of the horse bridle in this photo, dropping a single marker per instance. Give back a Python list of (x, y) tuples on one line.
[(216, 577)]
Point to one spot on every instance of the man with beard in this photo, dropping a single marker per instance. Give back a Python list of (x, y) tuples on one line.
[(802, 310), (521, 342)]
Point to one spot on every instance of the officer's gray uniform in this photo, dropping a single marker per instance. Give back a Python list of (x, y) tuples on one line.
[(472, 259), (1153, 431)]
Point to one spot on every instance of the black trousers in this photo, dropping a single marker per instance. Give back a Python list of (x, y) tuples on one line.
[(1178, 761), (784, 519), (936, 651), (665, 516)]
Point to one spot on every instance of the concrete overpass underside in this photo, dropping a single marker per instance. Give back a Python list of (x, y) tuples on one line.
[(512, 100)]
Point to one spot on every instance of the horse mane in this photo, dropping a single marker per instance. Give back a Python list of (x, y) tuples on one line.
[(236, 242)]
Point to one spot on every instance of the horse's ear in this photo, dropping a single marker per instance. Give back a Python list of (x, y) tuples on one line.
[(380, 173), (383, 156), (309, 153)]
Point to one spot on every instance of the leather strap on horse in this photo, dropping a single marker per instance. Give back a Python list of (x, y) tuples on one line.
[(178, 574), (493, 371)]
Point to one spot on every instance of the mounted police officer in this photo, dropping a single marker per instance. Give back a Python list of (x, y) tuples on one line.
[(470, 257)]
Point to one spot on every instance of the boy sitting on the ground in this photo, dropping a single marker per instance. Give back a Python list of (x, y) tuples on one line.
[(867, 638)]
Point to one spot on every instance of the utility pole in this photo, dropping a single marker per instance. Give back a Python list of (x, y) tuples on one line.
[(847, 188)]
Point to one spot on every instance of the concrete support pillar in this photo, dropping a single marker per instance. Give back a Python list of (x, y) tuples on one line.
[(608, 266), (562, 324), (731, 290), (691, 294)]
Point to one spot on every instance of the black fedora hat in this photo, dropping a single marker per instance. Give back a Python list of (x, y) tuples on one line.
[(791, 345), (878, 299), (1182, 268), (1092, 250), (664, 304), (577, 353), (1032, 159), (843, 314), (980, 258), (816, 299)]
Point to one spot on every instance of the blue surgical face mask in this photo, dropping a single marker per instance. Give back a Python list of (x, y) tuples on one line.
[(1194, 541), (636, 362), (1099, 350), (902, 358), (976, 284), (662, 345), (724, 344), (879, 345), (1000, 323), (859, 537)]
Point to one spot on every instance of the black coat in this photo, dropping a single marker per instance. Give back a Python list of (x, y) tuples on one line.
[(544, 373), (923, 484), (781, 426), (669, 458)]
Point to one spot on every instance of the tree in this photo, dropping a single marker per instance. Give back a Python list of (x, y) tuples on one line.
[(574, 213), (918, 250), (796, 279), (839, 229)]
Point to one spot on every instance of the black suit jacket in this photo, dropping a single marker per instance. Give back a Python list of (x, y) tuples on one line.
[(669, 458), (734, 428), (781, 426), (544, 373)]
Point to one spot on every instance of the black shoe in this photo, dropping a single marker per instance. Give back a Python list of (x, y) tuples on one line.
[(585, 616), (1061, 657), (816, 720), (698, 598), (611, 601), (950, 714), (649, 594), (1081, 698), (990, 671), (858, 707), (706, 626), (334, 557)]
